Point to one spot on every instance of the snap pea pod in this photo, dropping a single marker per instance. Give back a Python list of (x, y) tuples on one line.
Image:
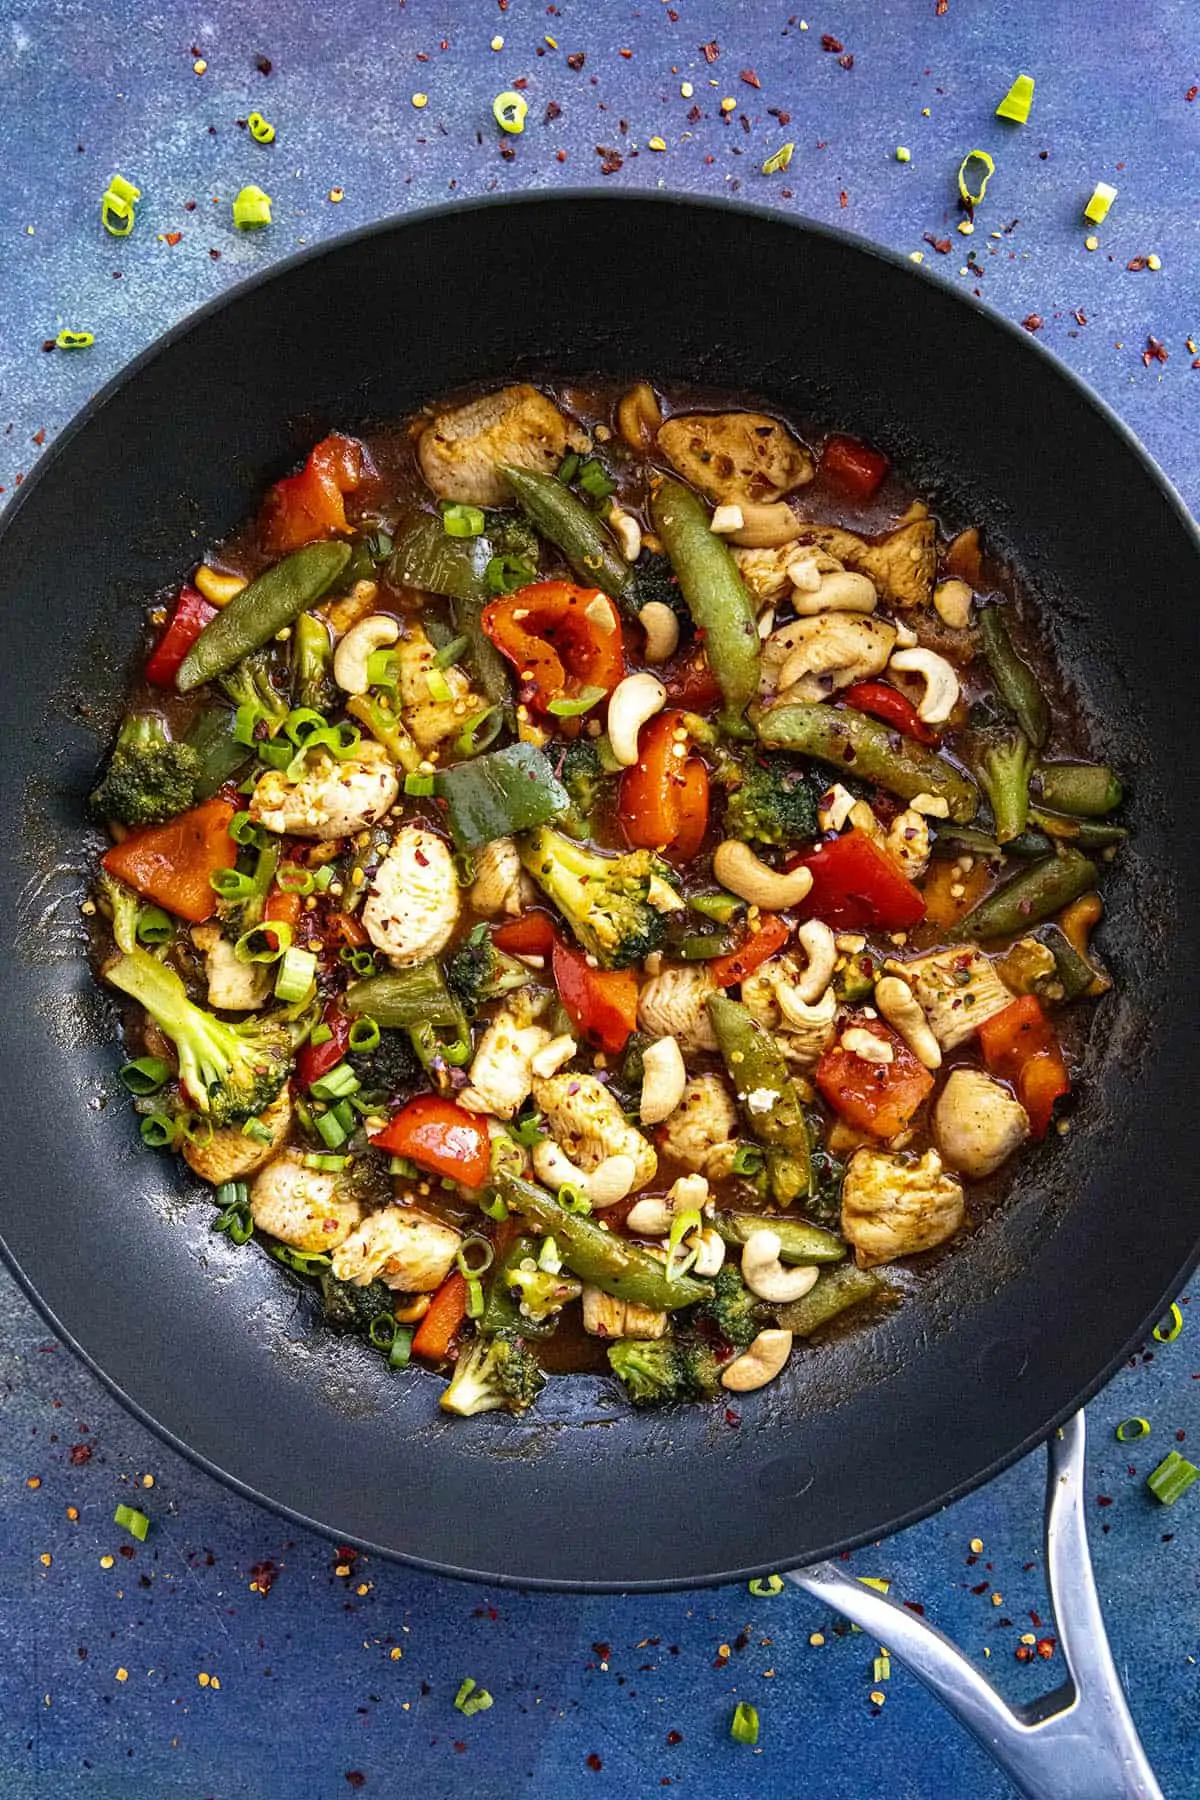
[(1084, 834), (715, 593), (1035, 894), (835, 1291), (1086, 790), (767, 1097), (501, 1311), (252, 617), (799, 1242), (586, 543), (1075, 974), (491, 671), (1016, 681), (858, 745), (599, 1256)]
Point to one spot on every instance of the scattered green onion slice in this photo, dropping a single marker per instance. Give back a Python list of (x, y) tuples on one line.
[(748, 1159), (254, 1128), (364, 1034), (1172, 1478), (572, 1199), (265, 943), (767, 1586), (116, 206), (382, 1330), (297, 972), (989, 169), (400, 1165), (439, 687), (459, 521), (1096, 210), (882, 1668), (505, 574), (474, 1256), (744, 1727), (573, 706), (548, 1257), (244, 831), (274, 755), (528, 1131), (494, 1208), (419, 785), (401, 1348), (231, 884), (1168, 1328), (259, 129), (75, 340), (480, 731), (320, 1034), (251, 209), (300, 1262), (290, 878), (340, 1082), (195, 1128), (1018, 100), (595, 480), (474, 1297), (154, 926), (568, 468), (327, 1164), (509, 110), (330, 1130), (383, 669), (1130, 1430), (158, 1130), (323, 877), (471, 1698), (232, 1193), (681, 1224), (134, 1522), (146, 1074), (452, 652), (776, 164), (464, 868)]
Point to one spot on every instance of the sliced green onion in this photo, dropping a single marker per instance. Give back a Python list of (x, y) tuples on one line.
[(244, 831), (323, 877), (472, 1699), (474, 1256), (296, 975), (361, 961), (474, 1297), (595, 480), (548, 1257), (330, 1130), (480, 731), (573, 706), (265, 943), (464, 868), (439, 687), (300, 1262), (681, 1224), (748, 1159), (382, 1330), (290, 878), (159, 1130), (493, 1207), (989, 169), (383, 669), (1130, 1430), (251, 209), (1017, 102), (235, 1220), (154, 926), (273, 755), (232, 1193), (146, 1074), (134, 1522), (301, 723), (509, 110), (776, 164), (418, 785), (231, 884), (320, 1034), (364, 1035), (246, 721), (259, 130), (505, 574), (528, 1131), (452, 652), (116, 206), (254, 1128), (75, 340), (572, 1199), (462, 521), (1172, 1478), (568, 468), (196, 1128), (744, 1726), (339, 1082), (344, 1112), (767, 1586), (400, 1165), (1096, 210), (1168, 1328), (327, 1164), (401, 1348), (882, 1667)]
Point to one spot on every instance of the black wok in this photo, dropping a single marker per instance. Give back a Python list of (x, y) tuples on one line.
[(217, 1349)]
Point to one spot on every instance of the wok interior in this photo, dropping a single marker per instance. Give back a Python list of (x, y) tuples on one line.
[(996, 1339)]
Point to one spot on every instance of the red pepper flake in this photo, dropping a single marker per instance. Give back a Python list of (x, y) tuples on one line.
[(216, 255), (915, 1606), (39, 438), (832, 44), (1033, 322), (942, 8), (80, 1454), (1154, 352), (553, 111), (732, 1419), (694, 115), (982, 1588), (263, 64), (262, 1578), (1103, 1499), (847, 61), (1191, 94), (1035, 1620), (750, 78), (356, 1778), (710, 51), (674, 1737), (612, 160), (1045, 1648), (172, 238), (1139, 262), (1079, 316), (1024, 1653), (942, 246), (576, 59), (593, 1762), (48, 344)]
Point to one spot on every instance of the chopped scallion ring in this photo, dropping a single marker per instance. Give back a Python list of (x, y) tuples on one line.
[(748, 1159), (134, 1522), (259, 129), (419, 785), (595, 480), (767, 1586), (475, 1300), (464, 868), (117, 204), (509, 110), (471, 1698), (265, 943), (244, 831), (573, 706), (572, 1199), (989, 169), (231, 884), (251, 209), (364, 1035), (1168, 1328), (401, 1348), (494, 1208), (1018, 100), (474, 1256), (339, 1084), (159, 1130), (1172, 1478), (320, 1034), (744, 1726), (481, 730), (882, 1669), (254, 1128), (146, 1074), (382, 1330), (297, 973), (383, 669), (75, 340), (776, 163), (327, 1164), (568, 468), (439, 688), (300, 1262), (505, 574), (459, 521), (1130, 1430), (681, 1225), (1096, 210), (323, 877), (290, 878), (154, 926)]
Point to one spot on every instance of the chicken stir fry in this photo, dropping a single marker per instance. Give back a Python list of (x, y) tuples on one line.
[(642, 891)]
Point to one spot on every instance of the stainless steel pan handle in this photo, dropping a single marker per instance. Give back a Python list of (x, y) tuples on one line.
[(1078, 1742)]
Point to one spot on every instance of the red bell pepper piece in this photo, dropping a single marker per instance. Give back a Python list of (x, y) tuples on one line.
[(885, 702), (692, 684), (192, 613), (282, 907), (447, 1310), (854, 466), (439, 1136), (601, 1003), (344, 929), (315, 1060), (311, 505), (530, 935), (882, 1098), (1021, 1046), (860, 887), (663, 798), (559, 638), (769, 938), (171, 864)]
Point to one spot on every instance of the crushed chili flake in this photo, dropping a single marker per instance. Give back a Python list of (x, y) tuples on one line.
[(80, 1453), (832, 44), (356, 1778), (1103, 1499), (1138, 262), (942, 8), (1155, 351), (1191, 94), (1079, 316), (710, 51), (843, 199), (611, 160), (1033, 322), (1045, 1648), (594, 1762), (263, 64), (262, 1578), (172, 238), (847, 61), (576, 59), (941, 245), (750, 78), (553, 111), (48, 344)]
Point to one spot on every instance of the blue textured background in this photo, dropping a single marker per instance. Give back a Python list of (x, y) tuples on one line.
[(166, 1673)]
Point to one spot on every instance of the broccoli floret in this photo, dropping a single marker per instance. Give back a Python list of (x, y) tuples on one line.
[(121, 907), (655, 579), (261, 708), (390, 1069), (1004, 762), (312, 664), (655, 1371), (770, 799), (150, 778), (478, 971), (616, 905), (583, 777), (732, 1310), (540, 1295), (350, 1308), (229, 1072), (492, 1375)]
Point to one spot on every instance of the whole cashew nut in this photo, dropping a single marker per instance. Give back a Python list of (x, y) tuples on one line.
[(766, 527), (726, 519), (651, 1217), (662, 630), (555, 1168), (611, 1182), (357, 647), (952, 603), (710, 1253), (627, 532), (806, 1018), (941, 683), (766, 1276), (759, 1364), (664, 1079), (820, 948), (633, 701), (737, 868), (903, 1012), (839, 591), (864, 1044)]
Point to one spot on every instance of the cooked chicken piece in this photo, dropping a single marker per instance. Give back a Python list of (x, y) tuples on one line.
[(909, 842), (229, 1154), (412, 908), (502, 1069), (501, 884), (977, 1124), (809, 659), (893, 1206), (765, 572), (701, 1134), (400, 1246), (329, 799), (607, 1317), (734, 457), (459, 450), (958, 990), (305, 1208), (803, 1032), (233, 986), (586, 1122), (902, 565), (431, 722), (674, 1004)]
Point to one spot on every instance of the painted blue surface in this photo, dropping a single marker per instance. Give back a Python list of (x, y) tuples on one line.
[(309, 1693)]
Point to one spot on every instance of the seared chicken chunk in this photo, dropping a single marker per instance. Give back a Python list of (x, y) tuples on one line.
[(412, 908), (233, 986), (587, 1124), (401, 1246), (502, 1068), (809, 659), (305, 1208), (329, 799), (902, 565), (765, 572), (958, 990), (501, 884), (734, 457), (607, 1317), (229, 1154), (431, 722), (803, 1032), (977, 1123), (674, 1003), (895, 1206), (459, 450), (701, 1134)]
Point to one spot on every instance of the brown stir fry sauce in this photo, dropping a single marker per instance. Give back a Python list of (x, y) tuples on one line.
[(598, 877)]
